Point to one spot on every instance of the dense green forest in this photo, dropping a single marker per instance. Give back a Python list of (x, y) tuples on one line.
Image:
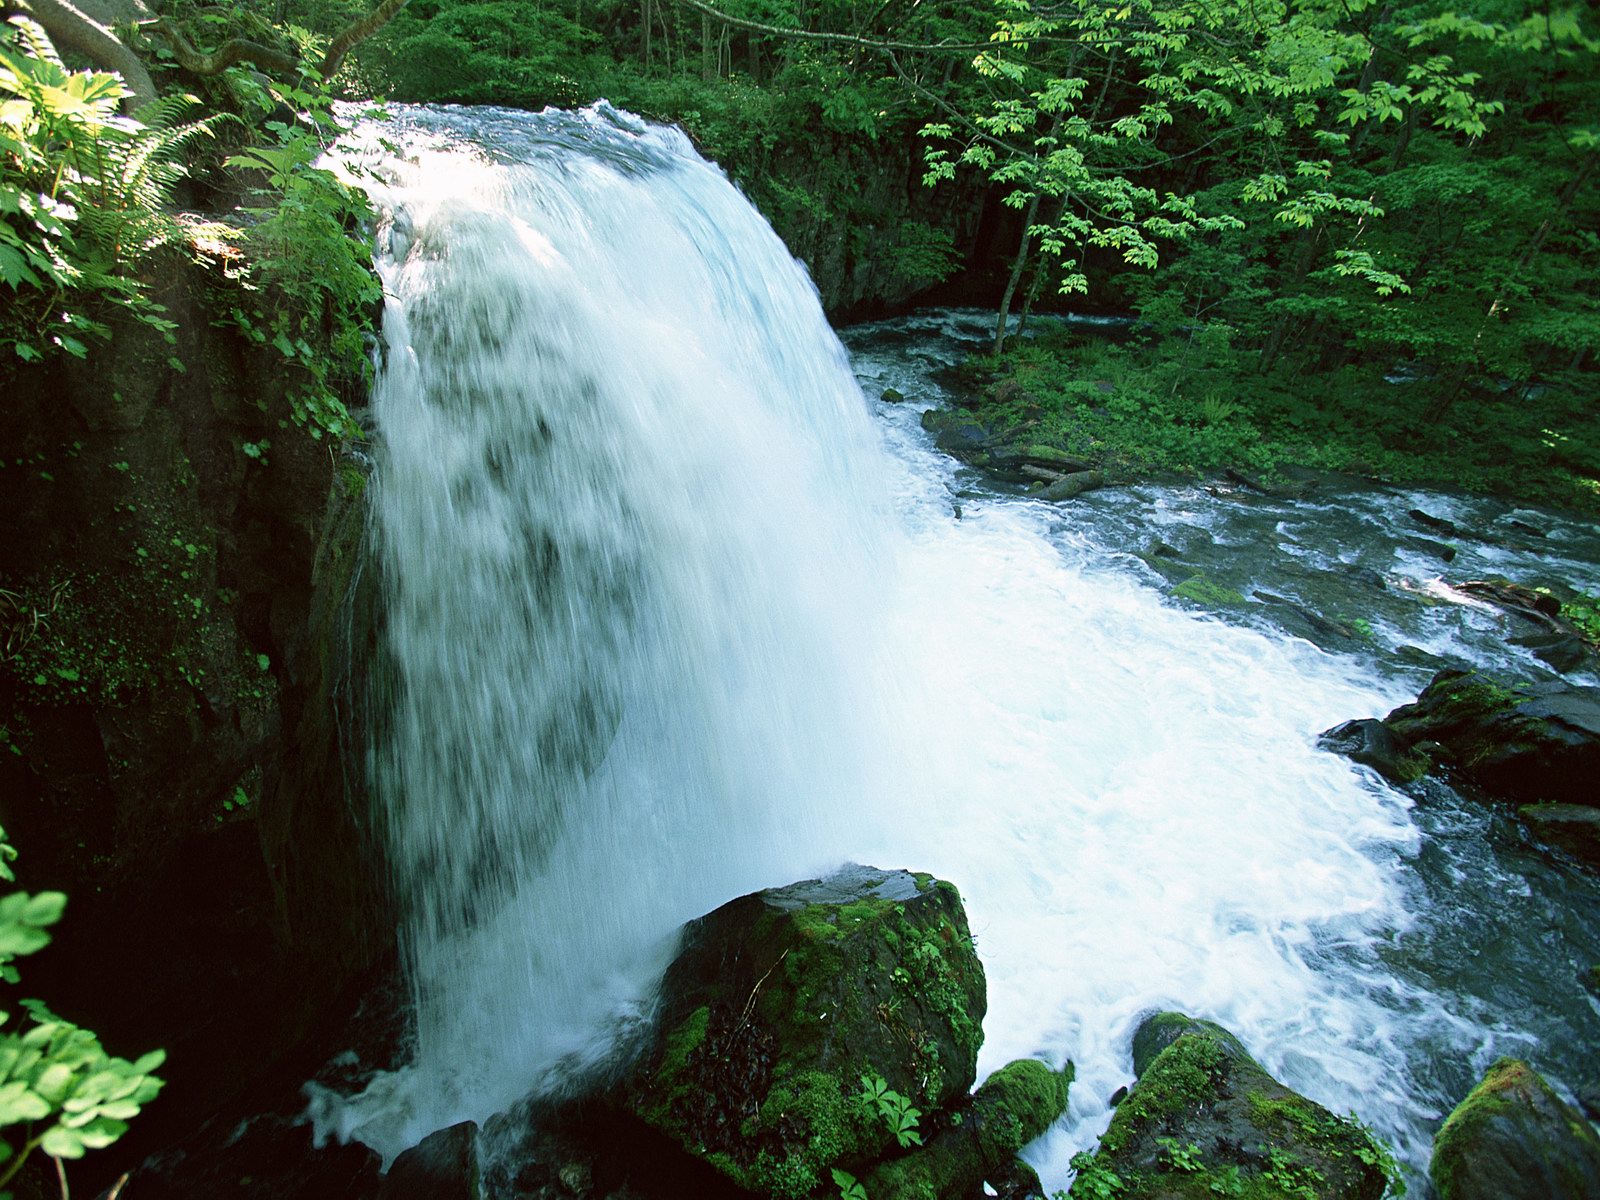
[(1351, 235)]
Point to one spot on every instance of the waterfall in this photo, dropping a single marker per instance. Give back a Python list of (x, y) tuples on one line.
[(668, 618), (626, 511)]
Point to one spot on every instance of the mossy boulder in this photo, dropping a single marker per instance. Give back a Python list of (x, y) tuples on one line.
[(1526, 743), (1513, 1138), (1204, 1119), (784, 1005), (1015, 1105)]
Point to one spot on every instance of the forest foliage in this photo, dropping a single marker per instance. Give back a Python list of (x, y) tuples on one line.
[(1360, 227), (1351, 233)]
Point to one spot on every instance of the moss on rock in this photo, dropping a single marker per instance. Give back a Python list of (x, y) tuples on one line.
[(788, 1008), (1525, 743), (1015, 1105), (1204, 1119), (1513, 1138)]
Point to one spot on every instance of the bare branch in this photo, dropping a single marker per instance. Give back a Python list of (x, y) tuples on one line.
[(69, 26)]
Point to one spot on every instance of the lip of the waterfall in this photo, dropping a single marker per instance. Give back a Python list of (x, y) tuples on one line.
[(600, 132)]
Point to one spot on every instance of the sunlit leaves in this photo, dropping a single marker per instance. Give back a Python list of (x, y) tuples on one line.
[(55, 1078)]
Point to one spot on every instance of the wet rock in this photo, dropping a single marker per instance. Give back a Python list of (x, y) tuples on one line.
[(1437, 524), (788, 1009), (443, 1166), (1015, 1105), (1371, 743), (1529, 744), (1074, 485), (1431, 548), (1573, 828), (1205, 1119), (892, 396), (955, 433), (1513, 1138), (1563, 652)]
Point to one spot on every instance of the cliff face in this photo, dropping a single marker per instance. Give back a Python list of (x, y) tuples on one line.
[(184, 632)]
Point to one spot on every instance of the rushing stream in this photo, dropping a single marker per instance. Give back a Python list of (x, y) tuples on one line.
[(675, 611)]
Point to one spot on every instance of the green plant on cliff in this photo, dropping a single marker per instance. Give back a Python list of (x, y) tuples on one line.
[(310, 290), (83, 192), (60, 1092)]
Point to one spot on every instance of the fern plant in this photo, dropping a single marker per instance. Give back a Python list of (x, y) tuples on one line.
[(84, 194)]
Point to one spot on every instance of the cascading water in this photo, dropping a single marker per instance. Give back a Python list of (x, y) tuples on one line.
[(626, 509), (669, 621)]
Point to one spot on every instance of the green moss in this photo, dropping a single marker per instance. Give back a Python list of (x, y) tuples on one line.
[(1207, 592), (681, 1043), (1018, 1103), (818, 1125), (1183, 1074), (1490, 1099)]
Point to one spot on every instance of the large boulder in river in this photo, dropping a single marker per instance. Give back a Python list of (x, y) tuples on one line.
[(1526, 743), (814, 1026), (1205, 1119), (1513, 1138)]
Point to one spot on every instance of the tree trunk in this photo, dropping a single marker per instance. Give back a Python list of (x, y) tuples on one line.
[(70, 27), (1016, 274)]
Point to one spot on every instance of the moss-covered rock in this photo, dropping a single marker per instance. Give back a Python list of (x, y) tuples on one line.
[(1208, 593), (1513, 1138), (789, 1010), (1204, 1120), (1526, 743), (1015, 1105)]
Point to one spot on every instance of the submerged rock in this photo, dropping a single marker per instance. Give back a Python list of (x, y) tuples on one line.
[(1373, 744), (814, 1026), (1574, 828), (1205, 1119), (1513, 1138)]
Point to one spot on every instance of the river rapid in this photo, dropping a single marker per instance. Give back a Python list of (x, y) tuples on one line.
[(679, 609)]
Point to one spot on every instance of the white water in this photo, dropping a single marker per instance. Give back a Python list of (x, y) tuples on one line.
[(671, 621)]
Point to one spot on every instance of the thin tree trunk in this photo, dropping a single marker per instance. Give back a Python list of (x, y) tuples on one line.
[(1016, 274)]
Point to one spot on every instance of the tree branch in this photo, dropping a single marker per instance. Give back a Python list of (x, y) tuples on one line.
[(267, 58), (73, 28)]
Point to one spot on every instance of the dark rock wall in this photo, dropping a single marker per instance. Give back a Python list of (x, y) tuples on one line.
[(184, 627)]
